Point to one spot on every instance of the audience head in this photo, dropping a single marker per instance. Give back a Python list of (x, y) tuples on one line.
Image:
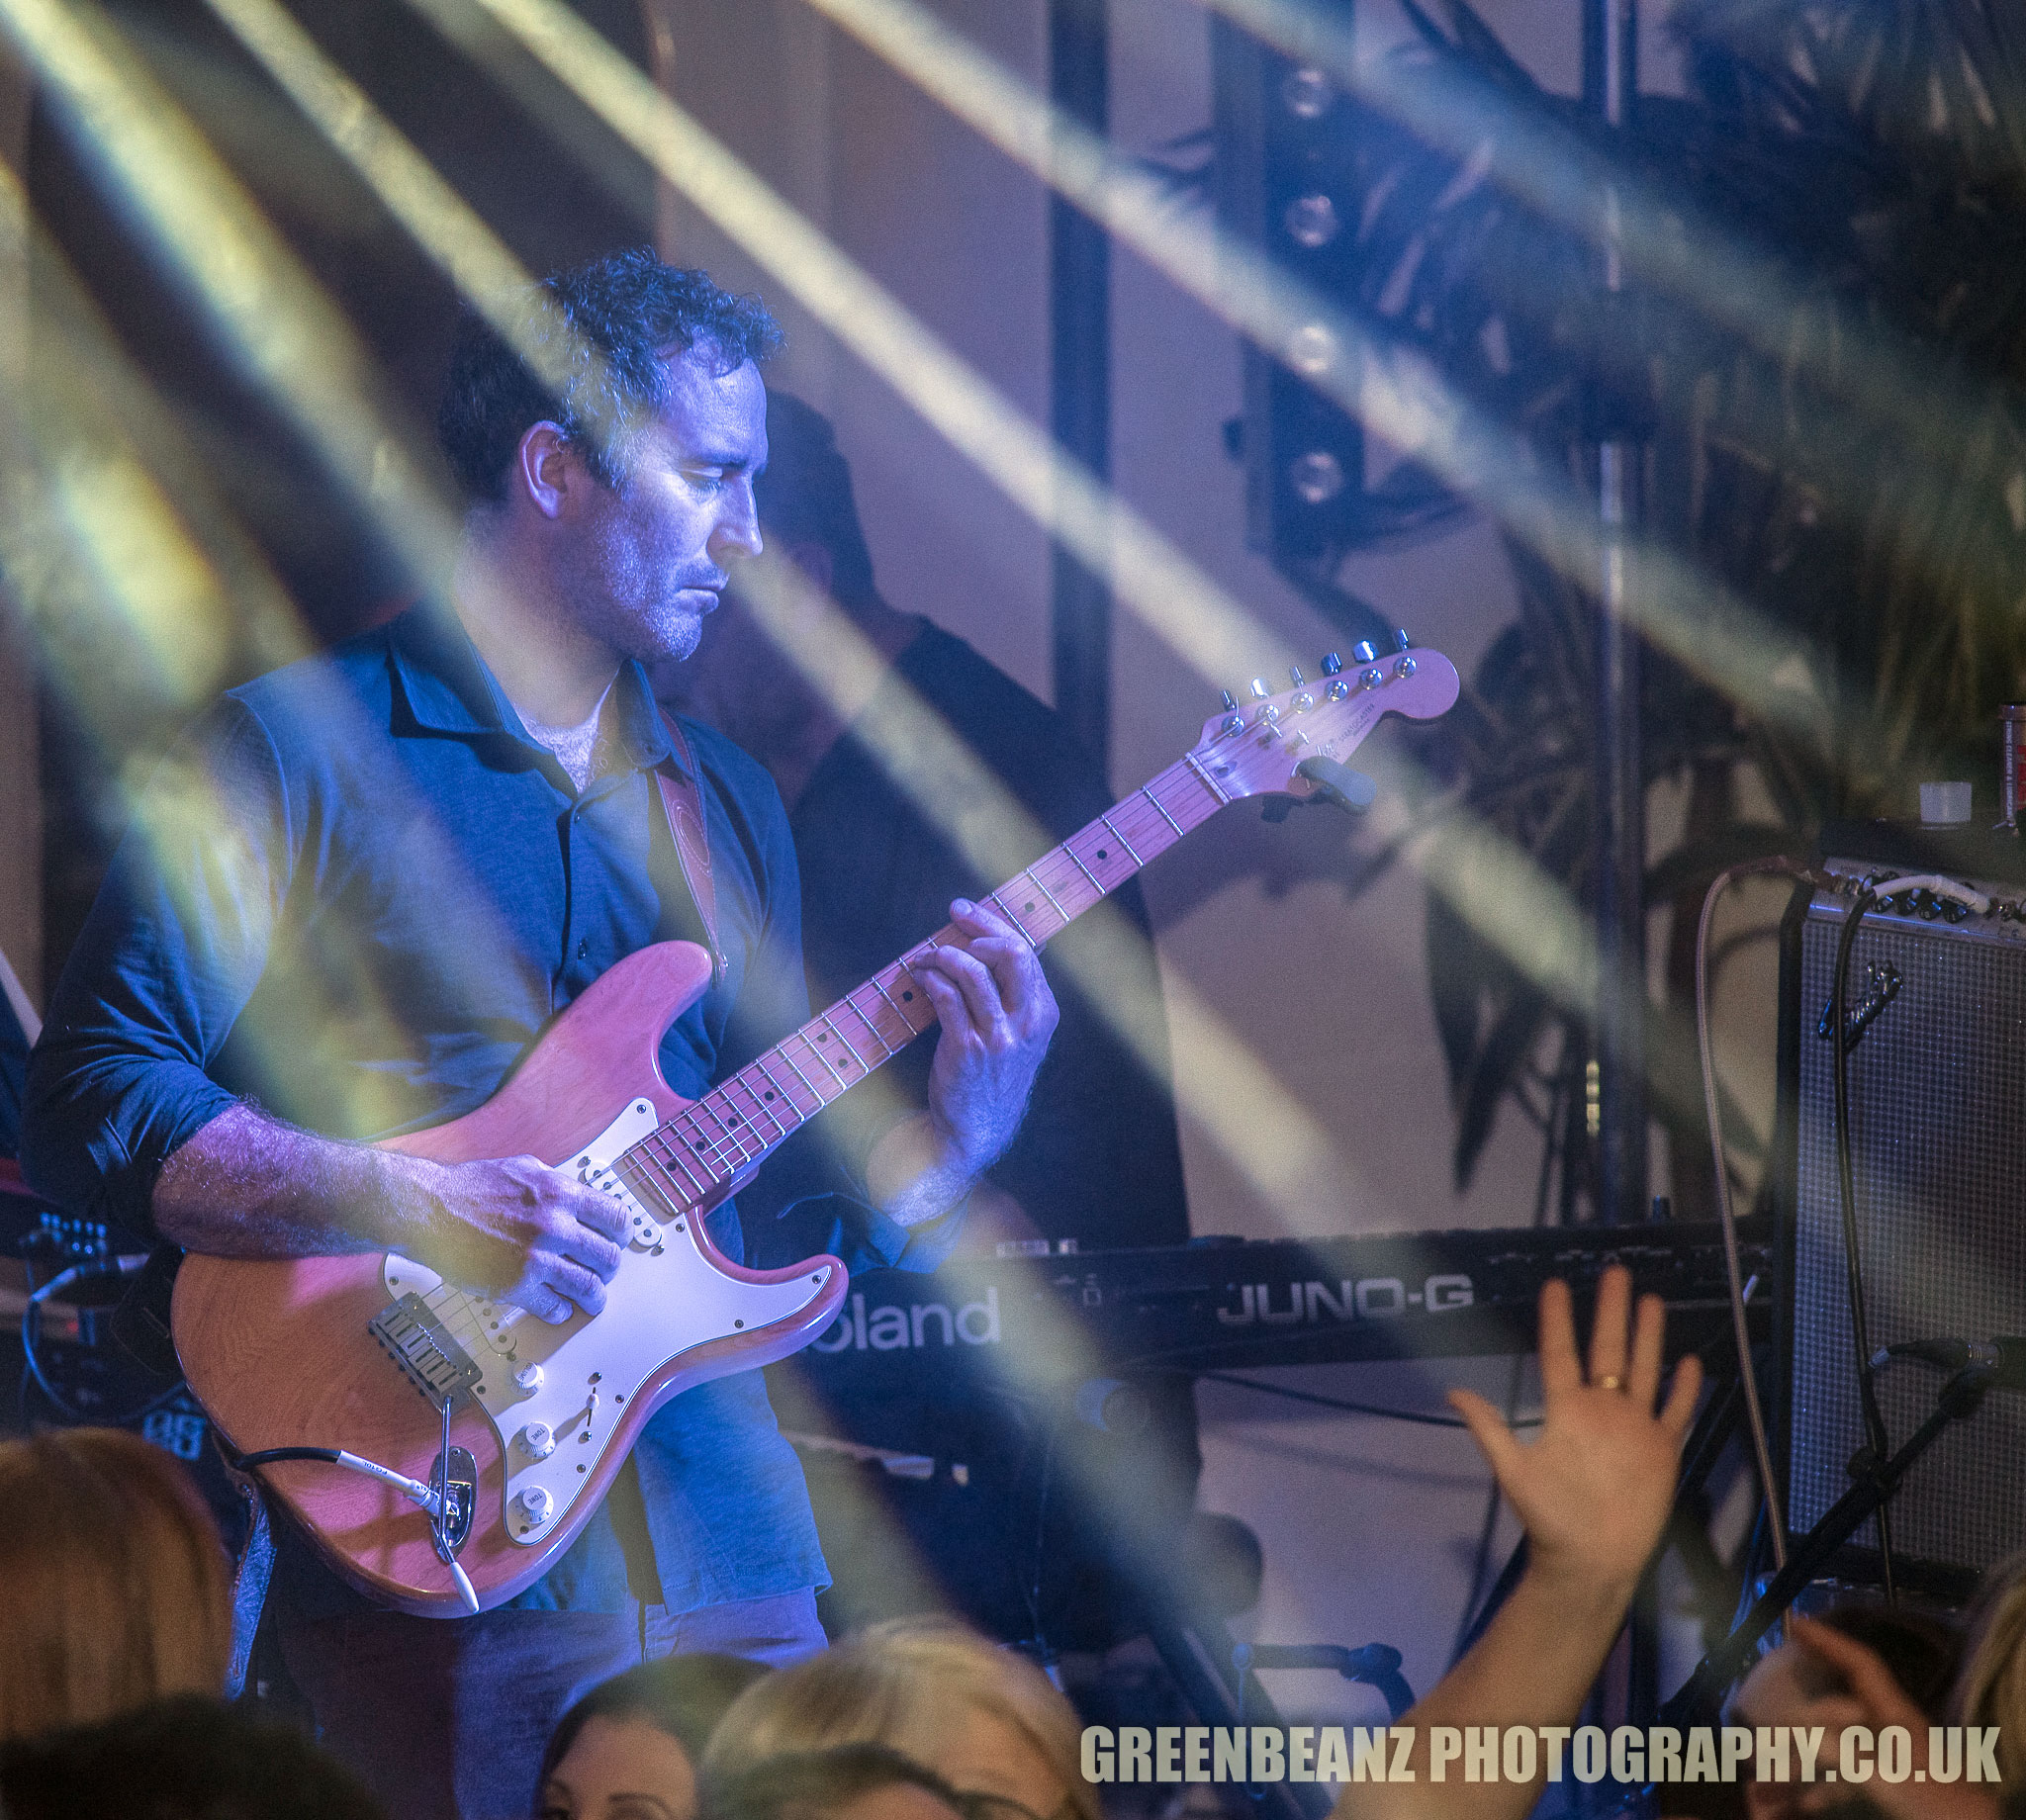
[(116, 1580), (848, 1782), (1793, 1686), (805, 497), (628, 1750), (985, 1719), (1992, 1690), (184, 1759)]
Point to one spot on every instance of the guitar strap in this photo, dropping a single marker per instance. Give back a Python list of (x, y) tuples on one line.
[(682, 800)]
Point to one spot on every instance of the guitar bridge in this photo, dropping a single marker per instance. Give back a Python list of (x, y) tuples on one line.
[(416, 1340)]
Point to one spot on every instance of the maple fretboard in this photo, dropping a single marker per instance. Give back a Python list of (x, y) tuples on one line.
[(692, 1160)]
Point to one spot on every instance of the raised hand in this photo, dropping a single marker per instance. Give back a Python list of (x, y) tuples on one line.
[(1594, 1489), (1875, 1700)]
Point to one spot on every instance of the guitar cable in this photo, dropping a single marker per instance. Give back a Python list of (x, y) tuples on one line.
[(431, 1500)]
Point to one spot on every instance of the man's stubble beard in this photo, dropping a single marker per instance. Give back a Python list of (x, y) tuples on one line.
[(635, 613)]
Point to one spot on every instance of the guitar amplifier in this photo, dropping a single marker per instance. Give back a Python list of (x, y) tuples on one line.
[(1937, 1081)]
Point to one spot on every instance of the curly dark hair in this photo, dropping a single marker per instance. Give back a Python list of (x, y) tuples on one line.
[(604, 326)]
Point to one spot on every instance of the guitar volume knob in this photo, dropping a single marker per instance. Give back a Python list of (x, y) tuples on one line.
[(529, 1379)]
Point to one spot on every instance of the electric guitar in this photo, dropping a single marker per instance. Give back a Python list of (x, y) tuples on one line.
[(441, 1449)]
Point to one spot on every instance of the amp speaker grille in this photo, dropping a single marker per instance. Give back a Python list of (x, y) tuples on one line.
[(1938, 1123)]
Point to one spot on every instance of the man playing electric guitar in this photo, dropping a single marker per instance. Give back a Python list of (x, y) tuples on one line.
[(366, 883)]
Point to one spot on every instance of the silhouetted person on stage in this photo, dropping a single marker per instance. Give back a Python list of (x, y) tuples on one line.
[(1097, 1160)]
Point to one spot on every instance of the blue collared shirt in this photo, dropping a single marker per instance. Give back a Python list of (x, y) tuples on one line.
[(356, 895)]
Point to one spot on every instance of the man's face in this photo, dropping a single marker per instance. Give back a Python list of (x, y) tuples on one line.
[(648, 558)]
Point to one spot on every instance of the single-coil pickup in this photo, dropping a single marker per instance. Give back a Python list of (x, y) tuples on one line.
[(644, 1232), (434, 1363)]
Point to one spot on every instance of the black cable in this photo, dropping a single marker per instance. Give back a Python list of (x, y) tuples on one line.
[(1876, 1442), (1049, 1432), (30, 1352), (273, 1456), (1488, 1529), (1351, 1409)]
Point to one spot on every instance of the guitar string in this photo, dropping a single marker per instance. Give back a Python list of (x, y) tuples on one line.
[(647, 1169), (723, 1155)]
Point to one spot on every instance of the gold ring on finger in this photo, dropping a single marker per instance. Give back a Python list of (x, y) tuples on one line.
[(1610, 1381)]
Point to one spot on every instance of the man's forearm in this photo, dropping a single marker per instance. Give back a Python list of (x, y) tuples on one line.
[(916, 1173), (248, 1186), (1531, 1668)]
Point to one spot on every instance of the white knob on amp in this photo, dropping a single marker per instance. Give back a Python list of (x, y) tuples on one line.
[(538, 1441), (534, 1503)]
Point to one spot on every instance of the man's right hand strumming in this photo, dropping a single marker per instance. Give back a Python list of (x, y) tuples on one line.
[(512, 1227), (524, 1232)]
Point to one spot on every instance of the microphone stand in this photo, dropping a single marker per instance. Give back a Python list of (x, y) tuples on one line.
[(1876, 1482)]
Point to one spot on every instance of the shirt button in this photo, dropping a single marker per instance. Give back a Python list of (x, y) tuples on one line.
[(583, 948)]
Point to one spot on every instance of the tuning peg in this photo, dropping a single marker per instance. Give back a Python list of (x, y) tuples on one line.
[(1332, 664), (1401, 642), (1230, 701), (1294, 675), (1259, 689), (1364, 651)]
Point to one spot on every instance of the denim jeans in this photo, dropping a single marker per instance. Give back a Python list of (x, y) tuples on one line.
[(446, 1718)]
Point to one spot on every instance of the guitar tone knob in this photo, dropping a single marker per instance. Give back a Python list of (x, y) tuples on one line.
[(529, 1379), (538, 1441), (534, 1503)]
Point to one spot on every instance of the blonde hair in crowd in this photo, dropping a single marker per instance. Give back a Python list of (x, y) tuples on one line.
[(874, 1688), (115, 1576), (1991, 1689)]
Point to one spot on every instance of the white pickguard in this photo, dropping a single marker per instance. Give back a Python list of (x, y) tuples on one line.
[(665, 1299)]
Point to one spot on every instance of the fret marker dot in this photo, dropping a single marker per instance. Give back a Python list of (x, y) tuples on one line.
[(1026, 907), (823, 1037), (767, 1096), (905, 996), (1102, 853)]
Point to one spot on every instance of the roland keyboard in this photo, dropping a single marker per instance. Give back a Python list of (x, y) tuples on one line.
[(1214, 1304)]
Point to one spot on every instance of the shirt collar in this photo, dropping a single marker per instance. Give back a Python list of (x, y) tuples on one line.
[(449, 688)]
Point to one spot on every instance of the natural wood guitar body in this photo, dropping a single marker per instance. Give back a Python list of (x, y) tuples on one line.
[(280, 1353)]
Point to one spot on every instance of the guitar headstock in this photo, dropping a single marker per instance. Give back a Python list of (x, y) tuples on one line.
[(1253, 748)]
